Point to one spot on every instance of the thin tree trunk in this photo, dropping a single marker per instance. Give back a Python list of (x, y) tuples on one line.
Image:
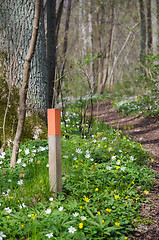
[(83, 27), (106, 62), (142, 32), (65, 45), (90, 44), (6, 111), (51, 50), (58, 16), (149, 27), (24, 87), (155, 36), (100, 68)]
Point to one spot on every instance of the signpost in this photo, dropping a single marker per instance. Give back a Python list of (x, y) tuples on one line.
[(54, 140)]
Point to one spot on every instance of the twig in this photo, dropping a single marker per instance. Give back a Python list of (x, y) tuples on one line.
[(116, 59)]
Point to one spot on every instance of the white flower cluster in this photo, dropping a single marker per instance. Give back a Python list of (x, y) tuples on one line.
[(2, 155)]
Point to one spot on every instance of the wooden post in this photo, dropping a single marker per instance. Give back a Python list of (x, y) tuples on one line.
[(54, 140)]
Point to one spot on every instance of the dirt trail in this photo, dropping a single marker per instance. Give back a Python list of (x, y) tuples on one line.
[(145, 131)]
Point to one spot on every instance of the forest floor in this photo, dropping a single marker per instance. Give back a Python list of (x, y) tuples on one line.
[(146, 131)]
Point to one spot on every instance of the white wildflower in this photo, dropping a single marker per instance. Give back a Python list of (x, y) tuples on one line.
[(35, 136), (2, 155), (27, 151), (131, 158), (104, 138), (87, 155), (19, 160), (20, 182), (48, 211), (49, 235), (118, 162), (113, 158), (31, 160), (108, 167), (75, 214), (8, 210), (83, 218), (60, 209), (2, 235), (41, 149), (71, 229), (122, 168), (78, 150)]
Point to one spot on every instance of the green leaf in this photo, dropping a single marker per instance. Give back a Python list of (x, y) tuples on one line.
[(90, 213), (68, 223), (94, 223)]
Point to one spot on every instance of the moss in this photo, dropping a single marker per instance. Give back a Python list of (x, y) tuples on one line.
[(11, 118), (12, 113), (32, 123)]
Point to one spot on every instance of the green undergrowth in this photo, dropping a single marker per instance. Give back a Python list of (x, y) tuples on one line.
[(144, 98), (105, 179), (145, 105)]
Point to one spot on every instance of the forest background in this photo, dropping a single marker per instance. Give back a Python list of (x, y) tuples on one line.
[(85, 57), (81, 47)]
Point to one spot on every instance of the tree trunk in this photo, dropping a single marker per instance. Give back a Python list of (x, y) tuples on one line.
[(149, 27), (65, 45), (100, 67), (155, 35), (58, 16), (51, 50), (108, 53), (90, 45), (83, 28), (142, 32), (24, 87)]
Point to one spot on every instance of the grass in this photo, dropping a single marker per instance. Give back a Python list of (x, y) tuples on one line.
[(105, 180)]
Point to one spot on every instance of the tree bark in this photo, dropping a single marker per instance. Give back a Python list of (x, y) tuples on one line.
[(58, 16), (83, 27), (65, 45), (24, 87), (90, 45), (108, 52), (155, 34), (51, 50), (99, 45), (149, 27), (142, 32)]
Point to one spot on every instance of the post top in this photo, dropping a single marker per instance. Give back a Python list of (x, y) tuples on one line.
[(54, 121)]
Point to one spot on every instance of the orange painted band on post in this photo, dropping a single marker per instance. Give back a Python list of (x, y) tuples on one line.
[(54, 121)]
